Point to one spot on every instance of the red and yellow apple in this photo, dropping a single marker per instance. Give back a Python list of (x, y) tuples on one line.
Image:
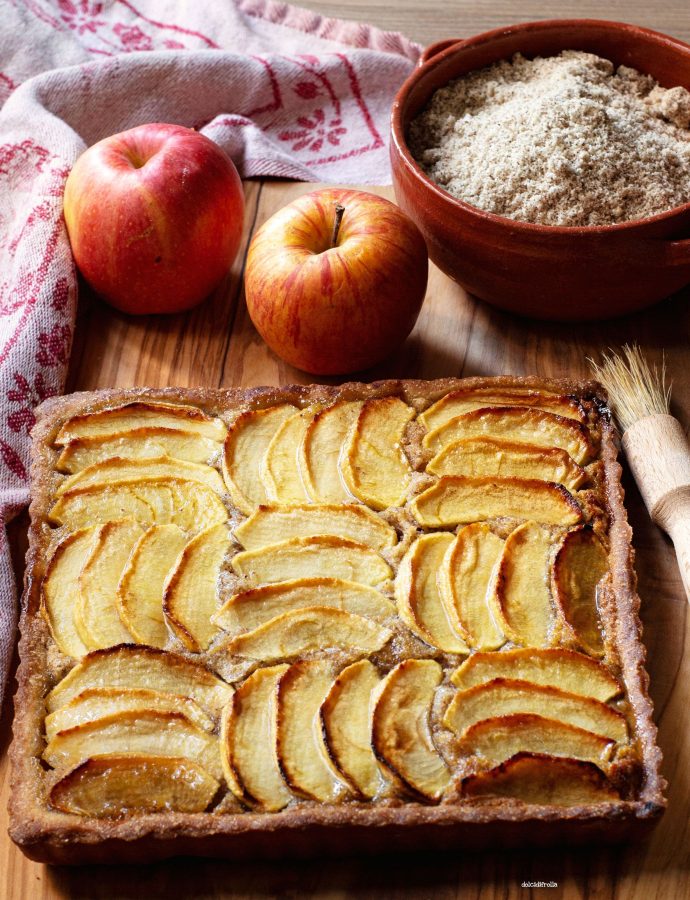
[(154, 217), (335, 280)]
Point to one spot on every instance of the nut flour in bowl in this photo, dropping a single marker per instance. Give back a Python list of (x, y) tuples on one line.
[(567, 140)]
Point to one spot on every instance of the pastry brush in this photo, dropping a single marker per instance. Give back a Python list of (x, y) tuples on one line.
[(654, 443)]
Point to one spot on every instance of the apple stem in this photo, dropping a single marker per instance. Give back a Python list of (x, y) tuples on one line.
[(339, 210)]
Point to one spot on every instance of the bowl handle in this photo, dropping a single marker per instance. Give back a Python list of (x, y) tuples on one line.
[(679, 252), (436, 48)]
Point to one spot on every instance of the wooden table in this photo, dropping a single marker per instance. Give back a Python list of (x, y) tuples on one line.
[(216, 345)]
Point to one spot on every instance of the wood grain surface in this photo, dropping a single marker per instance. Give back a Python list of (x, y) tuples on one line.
[(216, 345)]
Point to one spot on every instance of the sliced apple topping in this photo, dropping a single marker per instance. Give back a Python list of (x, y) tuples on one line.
[(114, 420), (120, 470), (140, 591), (248, 742), (116, 785), (314, 628), (497, 739), (320, 452), (60, 589), (245, 447), (505, 696), (401, 733), (558, 667), (530, 426), (346, 723), (581, 563), (417, 594), (543, 780), (97, 703), (462, 401), (489, 457), (330, 556), (373, 463), (300, 749), (127, 667), (138, 443), (457, 499), (465, 577), (273, 524), (280, 471), (152, 732), (190, 594), (249, 609)]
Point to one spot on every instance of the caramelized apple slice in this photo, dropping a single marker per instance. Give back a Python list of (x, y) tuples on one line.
[(581, 562), (330, 556), (314, 628), (505, 696), (459, 402), (280, 472), (152, 732), (106, 422), (248, 742), (273, 524), (401, 735), (245, 447), (417, 595), (543, 780), (96, 615), (128, 667), (116, 785), (138, 443), (489, 457), (320, 452), (140, 591), (346, 724), (497, 739), (249, 609), (373, 463), (119, 470), (464, 579), (530, 426), (97, 703), (457, 499), (60, 587), (558, 667), (190, 595), (300, 750)]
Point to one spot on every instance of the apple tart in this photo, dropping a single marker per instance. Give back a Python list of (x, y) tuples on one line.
[(296, 620)]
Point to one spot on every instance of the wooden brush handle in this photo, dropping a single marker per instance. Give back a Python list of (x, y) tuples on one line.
[(659, 457)]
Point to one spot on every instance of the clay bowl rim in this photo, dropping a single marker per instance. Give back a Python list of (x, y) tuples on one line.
[(399, 140)]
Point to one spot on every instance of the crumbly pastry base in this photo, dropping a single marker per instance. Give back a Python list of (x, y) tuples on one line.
[(312, 829)]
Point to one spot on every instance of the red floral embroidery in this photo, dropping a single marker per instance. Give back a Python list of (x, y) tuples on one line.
[(133, 38), (314, 132), (307, 90), (54, 345), (80, 16), (12, 460), (23, 418)]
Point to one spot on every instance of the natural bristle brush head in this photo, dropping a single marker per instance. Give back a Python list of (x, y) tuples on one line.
[(636, 390)]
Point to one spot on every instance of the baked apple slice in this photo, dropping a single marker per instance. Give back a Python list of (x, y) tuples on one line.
[(484, 457), (140, 591), (401, 734), (279, 471), (346, 724), (580, 564), (418, 597), (320, 452), (459, 499), (248, 742), (190, 594), (245, 447), (506, 696), (330, 556), (557, 667), (249, 609), (119, 470), (117, 785), (457, 403), (127, 666), (300, 750), (465, 577), (140, 413), (273, 524)]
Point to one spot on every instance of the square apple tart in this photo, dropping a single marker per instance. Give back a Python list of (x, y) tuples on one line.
[(315, 619)]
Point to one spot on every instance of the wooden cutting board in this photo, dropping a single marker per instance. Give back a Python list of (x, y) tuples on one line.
[(217, 346)]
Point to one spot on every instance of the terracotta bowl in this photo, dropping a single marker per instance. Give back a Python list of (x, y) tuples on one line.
[(592, 272)]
